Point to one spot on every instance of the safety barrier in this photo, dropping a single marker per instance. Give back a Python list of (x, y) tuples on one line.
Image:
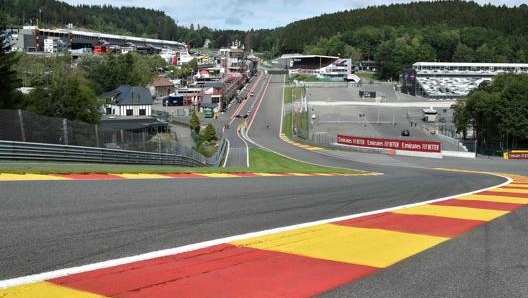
[(219, 155), (10, 150)]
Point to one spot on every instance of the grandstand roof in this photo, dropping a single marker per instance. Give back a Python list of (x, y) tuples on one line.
[(300, 56), (103, 36), (457, 64)]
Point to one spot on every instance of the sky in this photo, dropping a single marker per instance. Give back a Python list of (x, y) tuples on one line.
[(253, 14)]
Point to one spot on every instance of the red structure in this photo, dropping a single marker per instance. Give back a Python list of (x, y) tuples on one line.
[(100, 49)]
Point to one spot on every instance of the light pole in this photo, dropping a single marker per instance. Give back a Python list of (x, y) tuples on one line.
[(475, 135)]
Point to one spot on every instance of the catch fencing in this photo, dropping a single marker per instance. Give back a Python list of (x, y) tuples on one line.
[(50, 152), (24, 135)]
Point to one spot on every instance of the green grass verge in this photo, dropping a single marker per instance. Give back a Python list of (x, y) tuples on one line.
[(260, 161), (292, 94), (367, 76), (287, 127), (288, 94), (266, 161)]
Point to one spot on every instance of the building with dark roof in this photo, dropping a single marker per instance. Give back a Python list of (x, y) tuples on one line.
[(128, 118), (128, 101), (162, 87)]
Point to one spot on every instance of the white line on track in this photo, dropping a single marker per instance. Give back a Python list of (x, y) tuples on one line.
[(191, 247)]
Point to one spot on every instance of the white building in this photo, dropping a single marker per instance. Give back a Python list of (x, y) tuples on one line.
[(51, 45), (128, 101)]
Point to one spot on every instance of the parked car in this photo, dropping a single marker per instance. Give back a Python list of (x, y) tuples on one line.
[(251, 93)]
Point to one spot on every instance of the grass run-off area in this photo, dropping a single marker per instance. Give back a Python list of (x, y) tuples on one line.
[(260, 161)]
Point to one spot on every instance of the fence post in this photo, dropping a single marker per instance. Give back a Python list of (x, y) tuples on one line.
[(21, 121), (97, 143), (65, 131)]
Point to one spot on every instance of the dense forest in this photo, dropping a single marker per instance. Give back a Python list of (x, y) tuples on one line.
[(497, 112), (415, 15)]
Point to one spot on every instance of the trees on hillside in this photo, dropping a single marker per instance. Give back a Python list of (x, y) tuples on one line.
[(397, 35), (181, 72), (194, 123), (107, 72), (209, 133), (10, 97), (63, 92), (483, 23), (397, 48), (498, 112), (399, 53), (66, 92)]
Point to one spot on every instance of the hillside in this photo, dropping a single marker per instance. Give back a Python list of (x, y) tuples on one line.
[(451, 14), (110, 19), (393, 36)]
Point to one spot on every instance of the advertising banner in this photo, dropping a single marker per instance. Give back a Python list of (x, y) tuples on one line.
[(518, 154), (396, 144)]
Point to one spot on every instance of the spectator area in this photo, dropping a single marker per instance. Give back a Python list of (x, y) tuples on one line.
[(448, 87), (451, 80)]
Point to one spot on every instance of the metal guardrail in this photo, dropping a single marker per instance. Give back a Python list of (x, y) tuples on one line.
[(11, 150), (219, 155)]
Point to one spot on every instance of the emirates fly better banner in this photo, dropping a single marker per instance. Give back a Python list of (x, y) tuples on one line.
[(396, 144), (518, 154)]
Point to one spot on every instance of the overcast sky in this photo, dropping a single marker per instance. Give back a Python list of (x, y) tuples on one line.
[(252, 14)]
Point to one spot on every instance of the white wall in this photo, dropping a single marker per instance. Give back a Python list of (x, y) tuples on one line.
[(121, 110)]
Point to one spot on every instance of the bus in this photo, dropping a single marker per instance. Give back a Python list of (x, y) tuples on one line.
[(208, 112)]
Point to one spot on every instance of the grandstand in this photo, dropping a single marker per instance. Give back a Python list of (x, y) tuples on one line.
[(330, 67), (449, 80), (34, 39), (307, 63)]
